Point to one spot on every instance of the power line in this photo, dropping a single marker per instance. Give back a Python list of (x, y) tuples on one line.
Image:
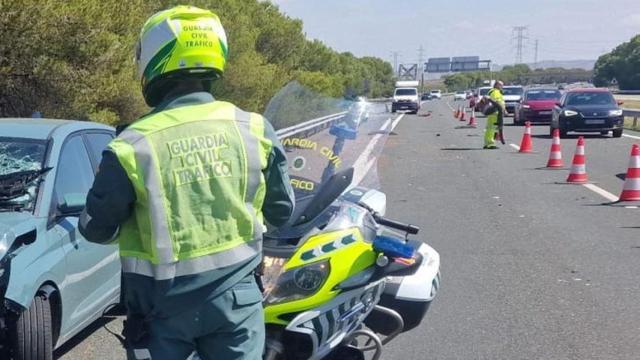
[(520, 36)]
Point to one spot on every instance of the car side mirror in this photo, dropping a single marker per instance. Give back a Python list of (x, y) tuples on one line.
[(73, 204), (558, 104), (620, 102)]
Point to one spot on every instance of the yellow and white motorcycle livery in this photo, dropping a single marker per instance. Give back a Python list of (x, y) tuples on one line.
[(340, 279)]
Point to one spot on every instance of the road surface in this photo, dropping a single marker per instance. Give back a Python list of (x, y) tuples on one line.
[(531, 269)]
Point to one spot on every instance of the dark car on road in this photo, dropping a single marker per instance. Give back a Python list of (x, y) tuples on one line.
[(587, 110), (536, 106)]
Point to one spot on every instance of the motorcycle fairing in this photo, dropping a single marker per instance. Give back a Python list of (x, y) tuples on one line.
[(327, 325)]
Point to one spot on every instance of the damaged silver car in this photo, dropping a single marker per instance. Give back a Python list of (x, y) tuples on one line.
[(53, 283)]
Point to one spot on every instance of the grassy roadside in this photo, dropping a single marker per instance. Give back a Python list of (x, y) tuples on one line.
[(628, 121), (628, 124), (631, 104)]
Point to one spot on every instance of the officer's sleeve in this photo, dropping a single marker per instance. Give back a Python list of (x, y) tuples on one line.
[(109, 202), (279, 200)]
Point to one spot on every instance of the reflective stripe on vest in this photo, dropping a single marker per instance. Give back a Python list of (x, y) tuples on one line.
[(197, 174), (192, 266)]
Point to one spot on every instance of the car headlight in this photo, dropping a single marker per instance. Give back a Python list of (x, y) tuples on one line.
[(524, 106), (615, 112), (570, 113), (298, 283)]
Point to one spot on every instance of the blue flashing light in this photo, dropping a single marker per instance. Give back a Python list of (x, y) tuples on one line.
[(392, 247)]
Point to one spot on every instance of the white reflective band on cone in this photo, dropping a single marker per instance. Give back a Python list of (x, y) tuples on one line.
[(632, 184), (578, 169)]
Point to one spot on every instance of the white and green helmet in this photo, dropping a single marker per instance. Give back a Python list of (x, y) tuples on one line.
[(183, 40)]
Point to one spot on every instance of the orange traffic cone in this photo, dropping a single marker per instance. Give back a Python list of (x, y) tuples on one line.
[(526, 145), (578, 173), (472, 119), (631, 188), (555, 155), (462, 113)]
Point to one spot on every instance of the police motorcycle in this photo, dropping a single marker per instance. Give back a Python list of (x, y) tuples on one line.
[(340, 279)]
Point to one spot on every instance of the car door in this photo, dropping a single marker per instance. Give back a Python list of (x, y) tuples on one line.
[(96, 142), (92, 270), (556, 113)]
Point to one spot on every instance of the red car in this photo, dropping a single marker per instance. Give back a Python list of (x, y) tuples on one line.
[(536, 106)]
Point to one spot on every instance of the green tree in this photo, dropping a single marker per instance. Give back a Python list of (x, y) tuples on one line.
[(73, 59), (622, 64)]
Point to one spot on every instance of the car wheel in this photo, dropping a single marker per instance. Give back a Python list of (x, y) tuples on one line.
[(33, 336), (551, 131), (604, 133), (563, 134), (617, 133)]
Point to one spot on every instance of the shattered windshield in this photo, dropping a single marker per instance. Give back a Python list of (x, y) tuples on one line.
[(21, 162)]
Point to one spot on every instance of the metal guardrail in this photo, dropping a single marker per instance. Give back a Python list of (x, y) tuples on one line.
[(310, 127), (635, 114), (626, 92)]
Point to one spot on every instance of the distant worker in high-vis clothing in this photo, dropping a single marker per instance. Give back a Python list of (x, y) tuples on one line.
[(495, 119), (185, 191)]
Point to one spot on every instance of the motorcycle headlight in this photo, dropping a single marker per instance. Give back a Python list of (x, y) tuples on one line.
[(615, 112), (570, 113), (299, 283), (271, 269)]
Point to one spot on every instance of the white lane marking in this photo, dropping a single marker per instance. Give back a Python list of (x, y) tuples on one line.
[(631, 136), (596, 189), (364, 164), (449, 105), (602, 192), (395, 122)]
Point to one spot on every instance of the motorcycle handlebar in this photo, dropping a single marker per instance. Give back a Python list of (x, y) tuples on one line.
[(408, 228)]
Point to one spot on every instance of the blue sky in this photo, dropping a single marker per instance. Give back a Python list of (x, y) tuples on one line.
[(566, 29)]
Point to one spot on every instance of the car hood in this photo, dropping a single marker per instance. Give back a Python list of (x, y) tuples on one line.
[(512, 98), (12, 225), (541, 104), (592, 108)]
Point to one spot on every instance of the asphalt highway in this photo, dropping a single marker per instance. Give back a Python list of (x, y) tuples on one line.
[(531, 269)]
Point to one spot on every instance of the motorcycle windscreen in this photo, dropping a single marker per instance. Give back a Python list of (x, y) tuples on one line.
[(325, 138)]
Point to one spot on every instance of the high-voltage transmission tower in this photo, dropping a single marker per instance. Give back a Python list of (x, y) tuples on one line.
[(519, 36)]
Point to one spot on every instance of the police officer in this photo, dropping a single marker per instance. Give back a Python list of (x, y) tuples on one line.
[(495, 119), (184, 191)]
